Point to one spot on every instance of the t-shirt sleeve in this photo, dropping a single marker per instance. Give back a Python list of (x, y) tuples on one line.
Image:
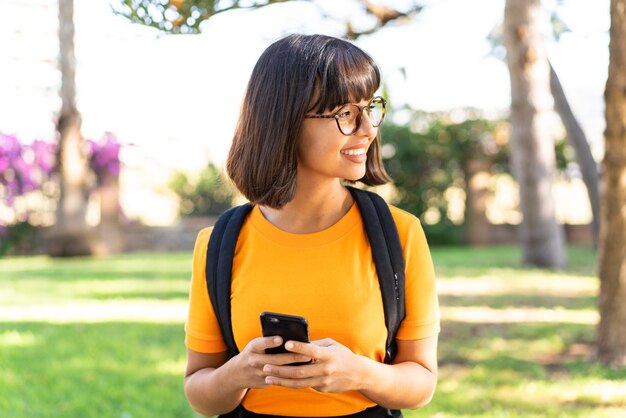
[(202, 331), (422, 306)]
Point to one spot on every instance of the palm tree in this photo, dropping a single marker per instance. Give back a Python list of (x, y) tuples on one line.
[(532, 146), (612, 245), (71, 235)]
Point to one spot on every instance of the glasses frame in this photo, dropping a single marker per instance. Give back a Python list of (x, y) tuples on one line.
[(359, 115)]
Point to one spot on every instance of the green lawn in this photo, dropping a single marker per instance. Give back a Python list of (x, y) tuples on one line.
[(104, 338)]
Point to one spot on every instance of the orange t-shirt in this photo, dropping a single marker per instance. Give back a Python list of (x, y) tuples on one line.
[(328, 277)]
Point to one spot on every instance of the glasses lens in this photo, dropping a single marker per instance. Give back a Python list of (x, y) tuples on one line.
[(348, 118), (377, 111)]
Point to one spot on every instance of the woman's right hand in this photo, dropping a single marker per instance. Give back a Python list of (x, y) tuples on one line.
[(247, 366)]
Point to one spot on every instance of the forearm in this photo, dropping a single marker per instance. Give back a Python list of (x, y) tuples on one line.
[(404, 385), (214, 391)]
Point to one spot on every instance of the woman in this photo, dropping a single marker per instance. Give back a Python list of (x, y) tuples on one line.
[(308, 123)]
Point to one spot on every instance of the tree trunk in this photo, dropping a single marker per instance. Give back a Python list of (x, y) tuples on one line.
[(577, 139), (110, 233), (477, 226), (612, 246), (532, 146), (71, 235)]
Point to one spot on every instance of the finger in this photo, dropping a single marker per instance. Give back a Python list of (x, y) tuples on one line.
[(305, 349), (291, 372), (258, 345), (286, 359), (293, 383)]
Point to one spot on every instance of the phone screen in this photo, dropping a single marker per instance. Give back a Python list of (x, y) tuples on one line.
[(288, 327)]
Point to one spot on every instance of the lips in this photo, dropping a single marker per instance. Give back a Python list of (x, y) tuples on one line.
[(356, 155)]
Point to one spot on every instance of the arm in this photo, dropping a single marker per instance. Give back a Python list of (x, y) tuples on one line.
[(408, 383), (215, 384), (209, 393)]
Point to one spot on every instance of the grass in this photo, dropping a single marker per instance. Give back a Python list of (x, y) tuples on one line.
[(104, 338), (93, 337)]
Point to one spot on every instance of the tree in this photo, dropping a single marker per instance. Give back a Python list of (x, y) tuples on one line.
[(611, 342), (71, 234), (531, 146), (425, 163), (208, 195), (578, 140), (575, 136), (185, 16), (180, 16)]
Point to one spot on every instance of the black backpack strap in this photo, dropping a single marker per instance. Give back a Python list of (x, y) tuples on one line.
[(388, 258), (219, 266)]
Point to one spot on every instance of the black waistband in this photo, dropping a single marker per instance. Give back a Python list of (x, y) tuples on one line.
[(373, 412)]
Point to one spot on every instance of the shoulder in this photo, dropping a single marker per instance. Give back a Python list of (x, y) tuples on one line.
[(404, 220), (204, 235), (409, 228), (202, 243)]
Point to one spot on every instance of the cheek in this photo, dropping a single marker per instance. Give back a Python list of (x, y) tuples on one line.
[(315, 143), (305, 147)]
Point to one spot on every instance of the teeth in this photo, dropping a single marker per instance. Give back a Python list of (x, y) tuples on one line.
[(359, 151)]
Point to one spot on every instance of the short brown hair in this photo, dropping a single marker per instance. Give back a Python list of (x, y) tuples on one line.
[(262, 161)]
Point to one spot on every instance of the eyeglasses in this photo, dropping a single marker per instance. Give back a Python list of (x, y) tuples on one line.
[(349, 116)]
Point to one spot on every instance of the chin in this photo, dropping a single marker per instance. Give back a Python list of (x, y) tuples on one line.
[(355, 177)]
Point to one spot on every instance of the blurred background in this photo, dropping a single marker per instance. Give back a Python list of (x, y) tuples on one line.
[(115, 120), (171, 101)]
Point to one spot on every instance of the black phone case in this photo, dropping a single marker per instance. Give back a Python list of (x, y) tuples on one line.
[(288, 327)]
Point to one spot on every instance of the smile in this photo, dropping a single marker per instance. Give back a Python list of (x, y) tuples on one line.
[(357, 151)]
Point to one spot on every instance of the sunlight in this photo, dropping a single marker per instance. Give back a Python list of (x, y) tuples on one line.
[(135, 311), (594, 390), (15, 338), (122, 286), (531, 283), (484, 314), (175, 368)]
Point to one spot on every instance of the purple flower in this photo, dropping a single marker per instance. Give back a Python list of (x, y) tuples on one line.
[(23, 168), (104, 157), (4, 162), (11, 188), (9, 149), (44, 156), (24, 172)]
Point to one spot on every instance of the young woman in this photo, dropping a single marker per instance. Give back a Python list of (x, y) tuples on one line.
[(309, 123)]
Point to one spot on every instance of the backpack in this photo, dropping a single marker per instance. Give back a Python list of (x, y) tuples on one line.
[(386, 252)]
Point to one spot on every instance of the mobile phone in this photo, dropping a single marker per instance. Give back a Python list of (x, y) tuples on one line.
[(288, 327)]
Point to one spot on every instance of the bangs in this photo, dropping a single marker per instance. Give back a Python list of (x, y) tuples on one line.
[(347, 75)]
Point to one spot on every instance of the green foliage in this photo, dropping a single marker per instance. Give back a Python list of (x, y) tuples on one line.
[(63, 351), (425, 163), (564, 154), (444, 233), (209, 195), (179, 16), (431, 154), (12, 235)]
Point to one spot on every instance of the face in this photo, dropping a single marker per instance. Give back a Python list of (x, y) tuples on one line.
[(325, 153)]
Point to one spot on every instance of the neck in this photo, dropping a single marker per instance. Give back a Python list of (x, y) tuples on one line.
[(313, 208)]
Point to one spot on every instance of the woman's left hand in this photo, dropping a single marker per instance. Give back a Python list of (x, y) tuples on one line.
[(334, 369)]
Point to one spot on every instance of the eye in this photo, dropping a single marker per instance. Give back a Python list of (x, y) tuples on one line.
[(343, 114)]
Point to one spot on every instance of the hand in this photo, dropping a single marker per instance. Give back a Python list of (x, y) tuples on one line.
[(334, 369), (249, 363)]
